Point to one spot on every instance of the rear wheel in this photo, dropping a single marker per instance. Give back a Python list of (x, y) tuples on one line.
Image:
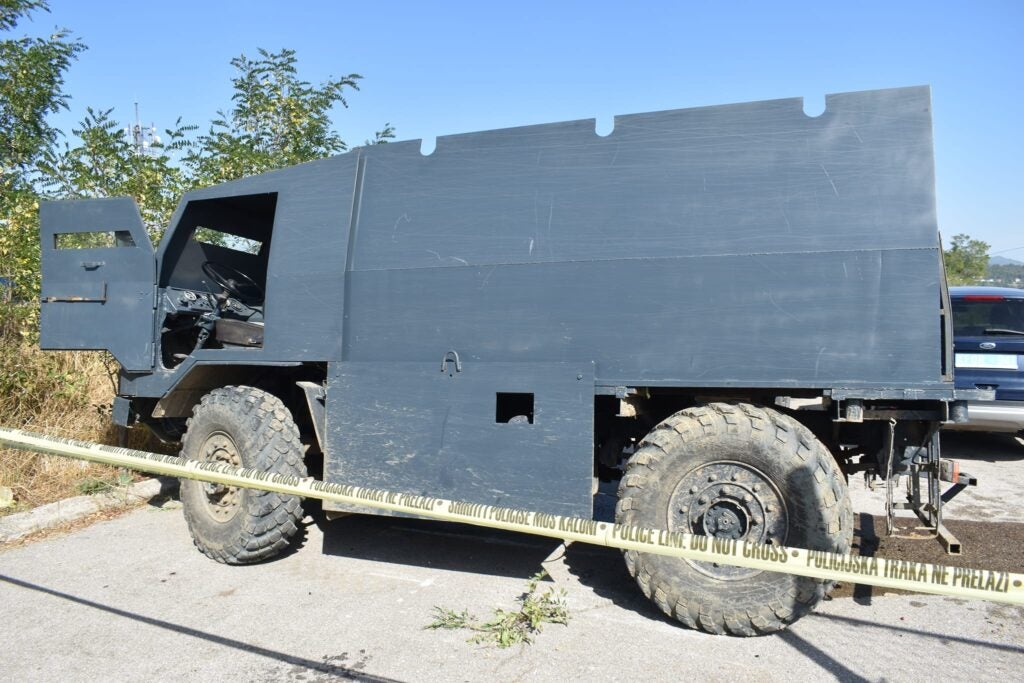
[(245, 427), (738, 472)]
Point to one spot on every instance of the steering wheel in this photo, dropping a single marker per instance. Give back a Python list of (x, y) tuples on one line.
[(234, 282)]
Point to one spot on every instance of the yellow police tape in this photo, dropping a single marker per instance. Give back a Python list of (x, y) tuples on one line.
[(875, 571)]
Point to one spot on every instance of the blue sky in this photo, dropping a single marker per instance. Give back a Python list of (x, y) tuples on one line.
[(437, 68)]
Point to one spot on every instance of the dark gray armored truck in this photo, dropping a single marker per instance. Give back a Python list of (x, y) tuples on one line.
[(728, 310)]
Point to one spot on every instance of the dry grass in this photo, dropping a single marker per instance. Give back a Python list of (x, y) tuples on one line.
[(67, 394)]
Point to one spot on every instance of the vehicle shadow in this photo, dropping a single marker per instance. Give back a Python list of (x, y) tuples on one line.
[(984, 446), (479, 550), (437, 545)]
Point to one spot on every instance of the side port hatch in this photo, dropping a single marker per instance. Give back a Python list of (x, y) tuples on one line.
[(99, 280)]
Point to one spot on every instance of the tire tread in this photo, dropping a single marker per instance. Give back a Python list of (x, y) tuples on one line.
[(702, 609), (271, 519)]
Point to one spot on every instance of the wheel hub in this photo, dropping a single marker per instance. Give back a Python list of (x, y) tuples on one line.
[(724, 519), (222, 502), (729, 500)]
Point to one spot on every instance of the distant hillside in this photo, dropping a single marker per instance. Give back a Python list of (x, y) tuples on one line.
[(1003, 261), (1003, 274)]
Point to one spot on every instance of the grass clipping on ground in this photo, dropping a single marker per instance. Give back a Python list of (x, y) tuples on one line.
[(59, 393), (507, 628)]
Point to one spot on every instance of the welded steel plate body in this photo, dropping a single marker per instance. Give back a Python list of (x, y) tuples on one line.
[(744, 245)]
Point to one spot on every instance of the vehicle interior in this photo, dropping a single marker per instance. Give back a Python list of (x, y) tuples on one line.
[(213, 277)]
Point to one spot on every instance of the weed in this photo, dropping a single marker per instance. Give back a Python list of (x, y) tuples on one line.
[(91, 486), (508, 628), (64, 394), (450, 619)]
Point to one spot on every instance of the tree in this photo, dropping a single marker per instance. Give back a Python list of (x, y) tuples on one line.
[(277, 120), (105, 163), (31, 87), (966, 260)]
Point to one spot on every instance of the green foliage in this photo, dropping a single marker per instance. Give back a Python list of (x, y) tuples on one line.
[(966, 260), (507, 628), (91, 486), (31, 87), (19, 250), (1005, 275), (449, 619), (105, 163), (277, 120), (382, 136)]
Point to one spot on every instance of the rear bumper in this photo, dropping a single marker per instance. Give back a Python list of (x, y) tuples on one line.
[(991, 416)]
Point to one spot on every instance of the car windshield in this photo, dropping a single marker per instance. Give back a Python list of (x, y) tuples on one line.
[(975, 316)]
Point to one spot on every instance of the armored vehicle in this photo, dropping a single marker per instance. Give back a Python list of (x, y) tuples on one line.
[(728, 310)]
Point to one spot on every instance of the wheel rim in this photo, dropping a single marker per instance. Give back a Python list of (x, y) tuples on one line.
[(222, 502), (729, 500)]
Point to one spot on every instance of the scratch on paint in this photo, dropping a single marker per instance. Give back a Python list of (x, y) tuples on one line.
[(780, 309), (488, 277), (825, 171), (442, 258), (394, 230)]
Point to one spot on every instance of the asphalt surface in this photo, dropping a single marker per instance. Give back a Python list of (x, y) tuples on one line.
[(130, 599)]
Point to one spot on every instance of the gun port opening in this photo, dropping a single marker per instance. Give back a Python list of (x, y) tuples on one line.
[(514, 408)]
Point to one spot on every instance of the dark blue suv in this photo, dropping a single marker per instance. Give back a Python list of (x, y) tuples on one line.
[(988, 341)]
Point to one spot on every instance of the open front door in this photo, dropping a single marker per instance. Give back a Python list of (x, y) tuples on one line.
[(99, 280)]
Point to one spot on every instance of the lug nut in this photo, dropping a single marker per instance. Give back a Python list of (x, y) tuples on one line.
[(735, 476), (702, 500), (747, 498), (757, 487), (693, 489), (711, 477), (769, 508)]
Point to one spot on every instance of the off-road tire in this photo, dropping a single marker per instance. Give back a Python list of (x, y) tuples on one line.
[(266, 439), (798, 466)]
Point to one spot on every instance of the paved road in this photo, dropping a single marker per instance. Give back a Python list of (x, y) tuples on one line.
[(129, 599)]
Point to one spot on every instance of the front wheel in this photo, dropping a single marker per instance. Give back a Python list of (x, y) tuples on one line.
[(245, 427), (737, 472)]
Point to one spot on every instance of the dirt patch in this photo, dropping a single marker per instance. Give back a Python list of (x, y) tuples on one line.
[(997, 546)]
